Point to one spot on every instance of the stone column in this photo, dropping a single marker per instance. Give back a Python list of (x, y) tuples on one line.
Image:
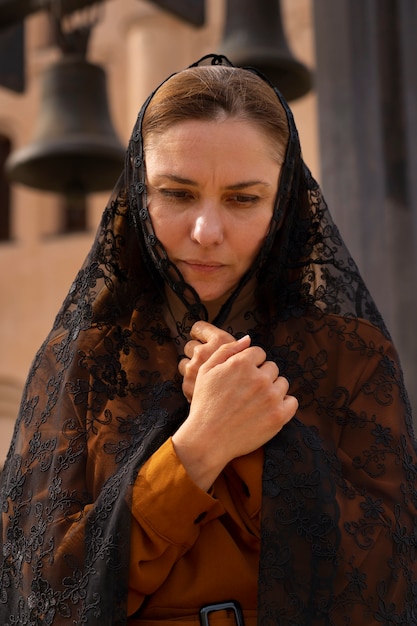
[(366, 82)]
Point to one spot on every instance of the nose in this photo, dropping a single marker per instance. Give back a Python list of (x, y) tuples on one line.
[(207, 226)]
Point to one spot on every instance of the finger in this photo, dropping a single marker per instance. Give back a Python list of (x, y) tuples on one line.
[(271, 369), (291, 404), (190, 346), (182, 366), (258, 356), (227, 350), (282, 384), (205, 332)]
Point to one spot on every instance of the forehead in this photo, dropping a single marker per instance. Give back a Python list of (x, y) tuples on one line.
[(227, 137)]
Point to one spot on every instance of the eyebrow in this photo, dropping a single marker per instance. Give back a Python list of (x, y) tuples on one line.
[(236, 186)]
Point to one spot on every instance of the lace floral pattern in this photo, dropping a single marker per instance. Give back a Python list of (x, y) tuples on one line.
[(339, 523)]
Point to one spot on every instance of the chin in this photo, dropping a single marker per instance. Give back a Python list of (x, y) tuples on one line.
[(211, 300)]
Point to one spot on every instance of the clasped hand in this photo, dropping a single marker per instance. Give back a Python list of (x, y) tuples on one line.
[(238, 401)]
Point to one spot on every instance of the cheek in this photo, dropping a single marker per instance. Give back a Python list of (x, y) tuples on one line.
[(247, 247), (162, 221), (169, 228), (255, 234), (254, 248)]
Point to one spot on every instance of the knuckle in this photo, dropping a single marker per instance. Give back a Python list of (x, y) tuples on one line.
[(259, 353), (196, 351), (198, 327), (190, 367), (199, 354)]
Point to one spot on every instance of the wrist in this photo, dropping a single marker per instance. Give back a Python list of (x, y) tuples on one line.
[(199, 465)]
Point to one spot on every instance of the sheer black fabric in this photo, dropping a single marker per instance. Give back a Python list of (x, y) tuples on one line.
[(339, 481)]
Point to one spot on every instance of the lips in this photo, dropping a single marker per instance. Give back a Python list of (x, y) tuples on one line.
[(202, 266)]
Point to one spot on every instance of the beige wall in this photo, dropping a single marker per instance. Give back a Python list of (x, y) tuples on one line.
[(138, 45)]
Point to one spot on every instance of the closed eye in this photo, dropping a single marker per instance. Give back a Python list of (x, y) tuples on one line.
[(243, 199), (176, 194)]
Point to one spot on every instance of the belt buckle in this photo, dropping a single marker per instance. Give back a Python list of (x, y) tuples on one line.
[(221, 606)]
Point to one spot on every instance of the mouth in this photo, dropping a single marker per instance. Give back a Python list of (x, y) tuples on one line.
[(205, 267)]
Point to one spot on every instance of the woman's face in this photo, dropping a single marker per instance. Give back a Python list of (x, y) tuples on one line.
[(211, 190)]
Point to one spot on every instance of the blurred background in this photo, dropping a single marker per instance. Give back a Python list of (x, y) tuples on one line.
[(73, 75)]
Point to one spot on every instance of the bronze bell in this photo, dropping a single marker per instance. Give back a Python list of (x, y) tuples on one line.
[(75, 148), (254, 36)]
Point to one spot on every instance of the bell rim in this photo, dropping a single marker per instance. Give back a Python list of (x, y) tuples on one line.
[(97, 165)]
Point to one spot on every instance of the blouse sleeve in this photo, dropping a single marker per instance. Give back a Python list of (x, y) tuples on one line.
[(168, 511)]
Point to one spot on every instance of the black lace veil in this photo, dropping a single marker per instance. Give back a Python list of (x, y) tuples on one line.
[(339, 498)]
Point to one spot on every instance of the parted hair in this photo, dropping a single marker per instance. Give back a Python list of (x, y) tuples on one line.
[(216, 92)]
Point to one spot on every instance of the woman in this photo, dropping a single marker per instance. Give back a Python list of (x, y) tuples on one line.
[(216, 429)]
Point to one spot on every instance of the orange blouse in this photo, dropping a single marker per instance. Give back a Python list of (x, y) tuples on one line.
[(195, 548)]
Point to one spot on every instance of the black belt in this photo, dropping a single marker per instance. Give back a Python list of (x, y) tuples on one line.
[(221, 606)]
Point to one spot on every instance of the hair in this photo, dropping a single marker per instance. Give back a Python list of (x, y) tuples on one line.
[(210, 93)]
